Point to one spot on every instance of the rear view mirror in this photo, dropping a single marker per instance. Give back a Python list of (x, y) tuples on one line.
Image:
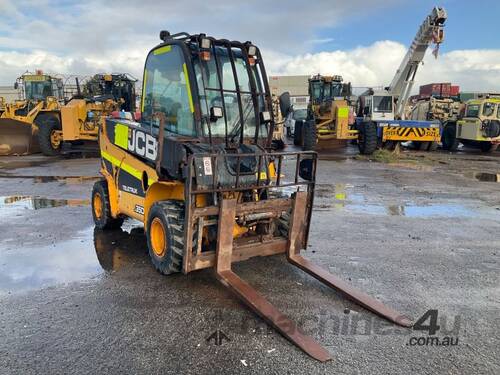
[(16, 85), (215, 113), (285, 103), (306, 169)]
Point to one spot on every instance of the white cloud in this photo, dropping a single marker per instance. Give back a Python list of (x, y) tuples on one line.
[(95, 36), (375, 65)]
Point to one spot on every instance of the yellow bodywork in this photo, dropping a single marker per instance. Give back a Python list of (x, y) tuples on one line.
[(75, 122), (125, 203), (332, 121), (396, 133)]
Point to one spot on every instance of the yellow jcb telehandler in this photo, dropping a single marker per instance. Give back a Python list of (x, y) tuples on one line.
[(196, 170)]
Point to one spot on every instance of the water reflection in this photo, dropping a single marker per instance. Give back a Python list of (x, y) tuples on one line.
[(34, 267), (339, 197), (15, 202), (118, 248), (69, 180)]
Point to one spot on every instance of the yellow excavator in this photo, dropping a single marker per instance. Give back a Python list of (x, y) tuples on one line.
[(198, 171)]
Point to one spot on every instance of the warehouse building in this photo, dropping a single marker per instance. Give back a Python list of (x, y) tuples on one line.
[(9, 93), (297, 86)]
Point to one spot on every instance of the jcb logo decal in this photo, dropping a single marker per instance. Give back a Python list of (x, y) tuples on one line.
[(143, 144)]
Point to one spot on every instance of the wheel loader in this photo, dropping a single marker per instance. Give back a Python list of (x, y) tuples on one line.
[(40, 95), (46, 123), (196, 169), (330, 116)]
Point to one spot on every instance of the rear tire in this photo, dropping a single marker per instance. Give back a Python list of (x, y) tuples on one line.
[(297, 133), (389, 145), (101, 209), (449, 137), (433, 146), (422, 146), (310, 136), (367, 138), (487, 147), (165, 235), (50, 144)]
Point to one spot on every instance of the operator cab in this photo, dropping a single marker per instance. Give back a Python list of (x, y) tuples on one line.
[(37, 87), (376, 105), (327, 88), (206, 90)]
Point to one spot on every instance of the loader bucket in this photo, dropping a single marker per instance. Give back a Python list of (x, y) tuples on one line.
[(18, 137)]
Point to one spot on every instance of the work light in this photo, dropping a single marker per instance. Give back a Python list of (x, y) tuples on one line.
[(252, 50), (205, 43)]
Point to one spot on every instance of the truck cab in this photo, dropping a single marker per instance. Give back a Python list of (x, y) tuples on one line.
[(479, 126), (378, 106)]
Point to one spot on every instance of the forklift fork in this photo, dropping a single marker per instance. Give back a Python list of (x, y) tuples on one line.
[(266, 310)]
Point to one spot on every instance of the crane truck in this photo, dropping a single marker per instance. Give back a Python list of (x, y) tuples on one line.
[(386, 108)]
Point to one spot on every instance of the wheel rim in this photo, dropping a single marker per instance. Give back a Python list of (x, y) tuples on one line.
[(157, 236), (55, 141), (97, 203)]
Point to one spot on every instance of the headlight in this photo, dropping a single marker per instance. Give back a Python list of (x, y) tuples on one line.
[(252, 50)]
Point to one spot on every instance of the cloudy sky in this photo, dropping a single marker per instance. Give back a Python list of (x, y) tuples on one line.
[(363, 40)]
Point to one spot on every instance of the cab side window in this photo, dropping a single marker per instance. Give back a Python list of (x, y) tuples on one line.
[(472, 110), (488, 109), (167, 93)]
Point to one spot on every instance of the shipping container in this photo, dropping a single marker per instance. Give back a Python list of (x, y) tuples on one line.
[(435, 89), (454, 90)]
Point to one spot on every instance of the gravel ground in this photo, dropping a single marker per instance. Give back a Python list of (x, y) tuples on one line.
[(418, 236)]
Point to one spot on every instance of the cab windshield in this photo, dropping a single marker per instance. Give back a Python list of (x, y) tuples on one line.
[(323, 91), (382, 104), (316, 90), (37, 90), (219, 85)]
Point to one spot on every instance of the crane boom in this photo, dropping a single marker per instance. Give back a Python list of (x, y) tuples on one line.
[(431, 31)]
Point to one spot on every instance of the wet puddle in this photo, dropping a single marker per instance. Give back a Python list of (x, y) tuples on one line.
[(20, 163), (89, 256), (338, 197), (27, 202), (70, 180)]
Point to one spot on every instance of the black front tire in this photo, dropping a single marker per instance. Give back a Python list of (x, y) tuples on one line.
[(101, 209), (297, 133), (310, 136), (171, 216), (46, 129), (367, 138), (449, 137)]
